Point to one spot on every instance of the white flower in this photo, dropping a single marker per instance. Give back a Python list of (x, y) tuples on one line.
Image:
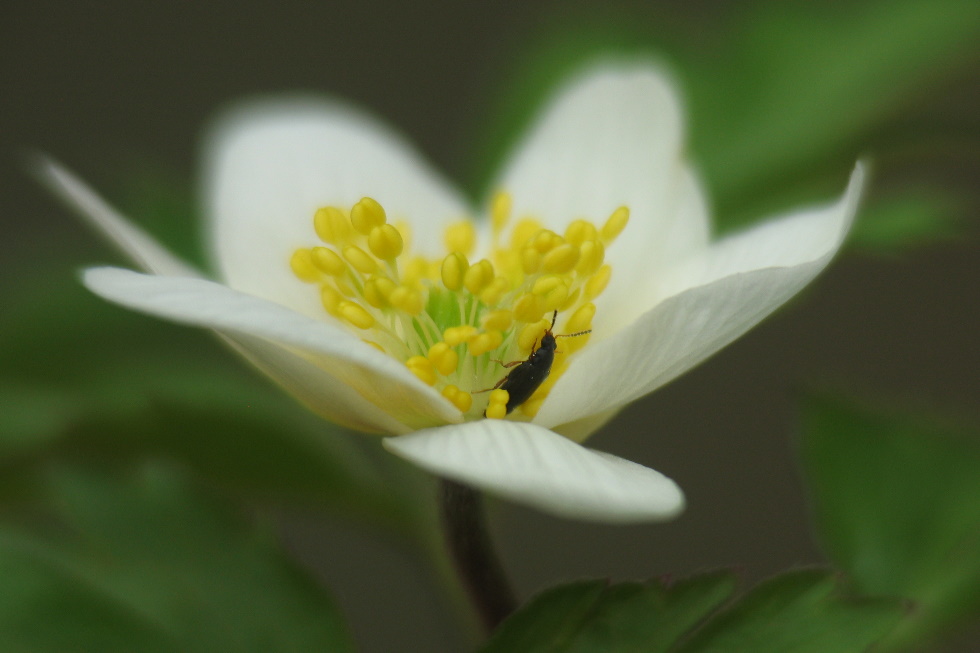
[(322, 292)]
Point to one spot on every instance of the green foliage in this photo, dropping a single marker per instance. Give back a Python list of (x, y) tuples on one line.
[(804, 612), (781, 102), (595, 616), (897, 504), (906, 219), (119, 387), (143, 562), (800, 611)]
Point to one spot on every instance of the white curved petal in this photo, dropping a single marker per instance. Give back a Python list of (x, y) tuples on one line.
[(132, 241), (378, 378), (269, 166), (317, 388), (636, 286), (686, 328), (531, 465), (613, 137)]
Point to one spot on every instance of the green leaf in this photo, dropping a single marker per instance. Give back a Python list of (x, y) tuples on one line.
[(146, 563), (801, 611), (783, 98), (896, 223), (82, 377), (595, 616), (804, 86), (897, 504)]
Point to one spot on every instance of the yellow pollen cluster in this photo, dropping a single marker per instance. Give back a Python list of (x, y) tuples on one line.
[(454, 320)]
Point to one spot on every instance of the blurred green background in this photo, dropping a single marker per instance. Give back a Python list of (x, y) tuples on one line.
[(783, 98)]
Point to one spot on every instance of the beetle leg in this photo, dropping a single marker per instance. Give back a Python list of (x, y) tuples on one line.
[(503, 364)]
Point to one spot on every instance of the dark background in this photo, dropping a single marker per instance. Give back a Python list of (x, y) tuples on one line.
[(114, 87)]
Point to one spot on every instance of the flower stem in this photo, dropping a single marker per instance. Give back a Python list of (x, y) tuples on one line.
[(469, 545)]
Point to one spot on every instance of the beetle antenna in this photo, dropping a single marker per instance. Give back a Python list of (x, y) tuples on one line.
[(572, 335)]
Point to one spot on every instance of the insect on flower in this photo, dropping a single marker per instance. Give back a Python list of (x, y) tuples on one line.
[(521, 383)]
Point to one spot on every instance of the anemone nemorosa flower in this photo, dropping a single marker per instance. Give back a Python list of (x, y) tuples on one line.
[(356, 277)]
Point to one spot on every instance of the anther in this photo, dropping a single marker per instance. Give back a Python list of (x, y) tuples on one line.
[(366, 215), (453, 270), (528, 308), (579, 231), (462, 400), (332, 226), (331, 299), (460, 237), (302, 264), (407, 299), (385, 242), (457, 335), (598, 282), (500, 209), (615, 224), (561, 259), (478, 276), (327, 261), (360, 260), (485, 342), (422, 368), (591, 254), (444, 358), (356, 315), (499, 320)]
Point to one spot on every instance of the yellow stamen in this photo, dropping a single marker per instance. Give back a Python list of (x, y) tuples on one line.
[(332, 226), (615, 224), (458, 335), (531, 335), (461, 237), (591, 254), (497, 406), (302, 264), (498, 320), (462, 400), (385, 242), (500, 209), (552, 290), (528, 308), (356, 315), (331, 300), (524, 230), (579, 231), (444, 358), (407, 299), (485, 342), (530, 260), (360, 260), (598, 282), (495, 291), (327, 261), (561, 259), (366, 215), (453, 270), (496, 309), (422, 368), (531, 407), (478, 276)]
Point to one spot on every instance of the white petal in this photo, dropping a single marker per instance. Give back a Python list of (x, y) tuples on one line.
[(140, 247), (613, 137), (380, 379), (270, 165), (319, 389), (532, 465), (685, 329)]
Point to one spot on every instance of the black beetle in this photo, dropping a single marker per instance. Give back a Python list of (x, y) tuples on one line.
[(529, 374)]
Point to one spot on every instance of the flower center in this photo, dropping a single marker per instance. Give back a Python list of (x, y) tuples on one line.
[(452, 322)]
